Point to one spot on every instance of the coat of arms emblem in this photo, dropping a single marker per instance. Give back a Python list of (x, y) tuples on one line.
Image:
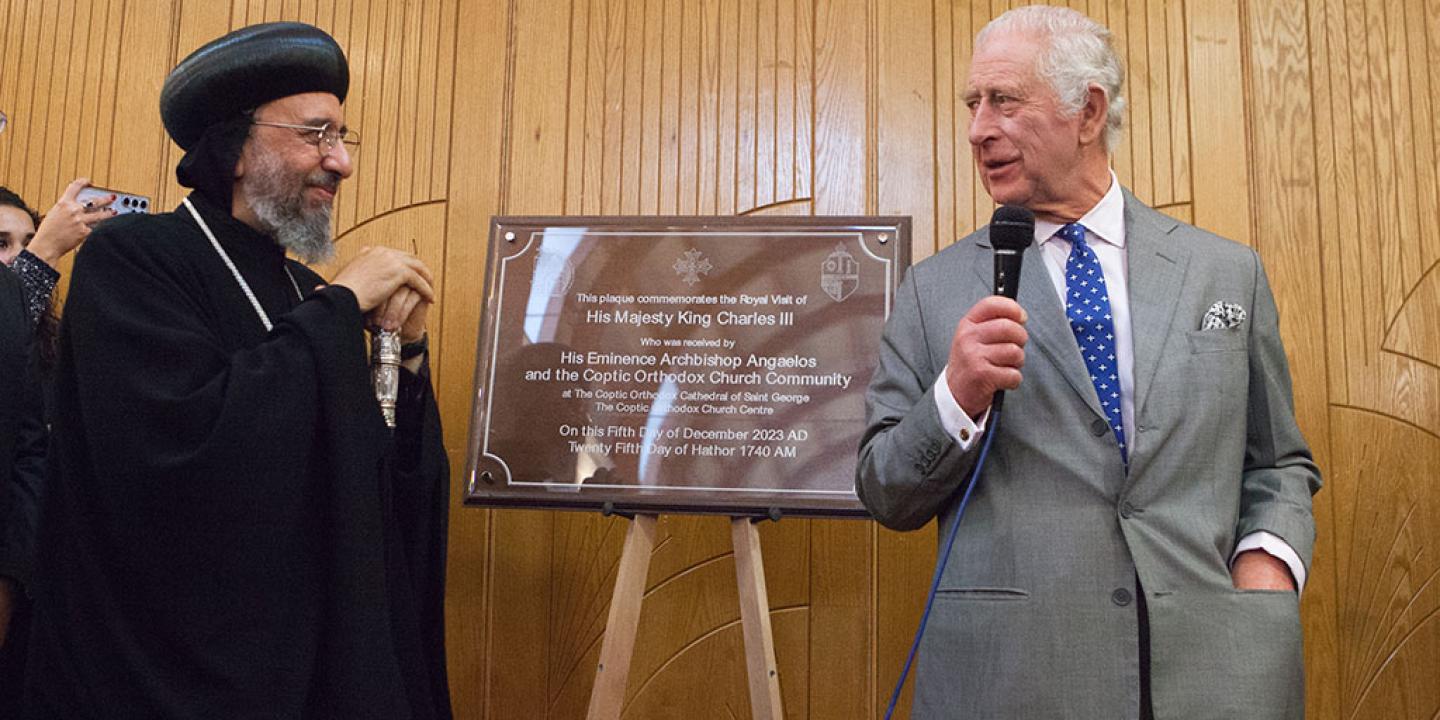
[(839, 274), (557, 269)]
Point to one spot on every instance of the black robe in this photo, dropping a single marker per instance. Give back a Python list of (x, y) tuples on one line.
[(230, 531)]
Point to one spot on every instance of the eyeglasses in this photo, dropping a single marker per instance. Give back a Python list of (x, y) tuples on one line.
[(325, 138)]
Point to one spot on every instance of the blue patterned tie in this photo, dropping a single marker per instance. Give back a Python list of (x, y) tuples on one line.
[(1087, 305)]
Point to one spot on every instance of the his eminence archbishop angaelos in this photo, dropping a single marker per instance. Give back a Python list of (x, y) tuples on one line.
[(1135, 542), (231, 531)]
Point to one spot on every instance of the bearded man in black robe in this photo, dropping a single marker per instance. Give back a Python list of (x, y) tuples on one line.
[(231, 530)]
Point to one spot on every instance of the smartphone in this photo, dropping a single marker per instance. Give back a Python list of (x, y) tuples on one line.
[(125, 203)]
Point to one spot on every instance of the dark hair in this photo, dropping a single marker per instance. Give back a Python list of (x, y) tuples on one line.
[(8, 198), (47, 331)]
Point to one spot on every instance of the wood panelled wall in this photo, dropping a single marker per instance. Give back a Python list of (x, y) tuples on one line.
[(1305, 128)]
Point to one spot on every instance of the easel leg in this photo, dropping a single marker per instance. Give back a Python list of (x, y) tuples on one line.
[(755, 618), (607, 697)]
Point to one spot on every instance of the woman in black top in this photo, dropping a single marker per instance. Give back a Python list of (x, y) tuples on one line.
[(33, 249)]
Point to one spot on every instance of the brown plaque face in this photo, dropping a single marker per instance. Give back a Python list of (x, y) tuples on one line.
[(679, 364)]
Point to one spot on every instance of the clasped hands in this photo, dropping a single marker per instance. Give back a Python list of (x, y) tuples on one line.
[(393, 289)]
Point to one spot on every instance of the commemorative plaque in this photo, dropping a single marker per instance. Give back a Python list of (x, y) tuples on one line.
[(685, 364)]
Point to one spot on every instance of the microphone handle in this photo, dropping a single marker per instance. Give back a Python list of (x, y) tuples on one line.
[(1007, 283)]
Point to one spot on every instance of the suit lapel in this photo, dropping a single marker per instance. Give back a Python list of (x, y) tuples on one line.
[(1048, 328), (1157, 270)]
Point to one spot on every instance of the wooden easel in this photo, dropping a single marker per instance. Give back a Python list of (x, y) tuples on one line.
[(608, 695)]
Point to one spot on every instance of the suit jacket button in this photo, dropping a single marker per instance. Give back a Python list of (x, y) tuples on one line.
[(1120, 597), (1126, 510), (1099, 427)]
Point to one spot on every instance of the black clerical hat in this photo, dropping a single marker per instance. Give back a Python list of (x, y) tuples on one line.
[(248, 68)]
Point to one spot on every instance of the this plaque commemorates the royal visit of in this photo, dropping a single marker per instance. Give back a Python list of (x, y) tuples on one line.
[(692, 364)]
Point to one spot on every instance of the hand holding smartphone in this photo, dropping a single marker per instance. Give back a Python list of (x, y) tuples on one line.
[(94, 198), (80, 208)]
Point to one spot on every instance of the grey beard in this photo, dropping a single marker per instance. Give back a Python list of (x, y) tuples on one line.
[(307, 234)]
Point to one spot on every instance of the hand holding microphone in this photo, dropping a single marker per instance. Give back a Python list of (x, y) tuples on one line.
[(986, 354), (987, 351)]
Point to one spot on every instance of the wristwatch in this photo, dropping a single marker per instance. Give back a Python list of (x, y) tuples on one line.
[(415, 349)]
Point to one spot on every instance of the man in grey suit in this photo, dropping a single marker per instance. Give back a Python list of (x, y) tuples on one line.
[(1137, 537)]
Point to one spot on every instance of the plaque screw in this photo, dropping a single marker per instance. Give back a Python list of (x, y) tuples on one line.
[(884, 238), (509, 237), (487, 477)]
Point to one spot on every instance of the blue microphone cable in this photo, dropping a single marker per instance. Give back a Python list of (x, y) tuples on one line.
[(990, 434)]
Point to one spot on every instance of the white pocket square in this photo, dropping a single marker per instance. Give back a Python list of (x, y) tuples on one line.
[(1223, 315)]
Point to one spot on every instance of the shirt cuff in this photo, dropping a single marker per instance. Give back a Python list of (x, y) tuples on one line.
[(31, 262), (1277, 548), (957, 422), (39, 281)]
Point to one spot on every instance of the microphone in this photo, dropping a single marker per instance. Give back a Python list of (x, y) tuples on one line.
[(1012, 229)]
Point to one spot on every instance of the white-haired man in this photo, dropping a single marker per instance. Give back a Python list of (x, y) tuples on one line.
[(1135, 541)]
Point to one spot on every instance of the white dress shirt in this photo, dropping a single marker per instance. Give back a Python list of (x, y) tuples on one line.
[(1105, 234)]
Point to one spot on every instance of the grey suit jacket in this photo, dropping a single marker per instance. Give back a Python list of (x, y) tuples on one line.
[(1036, 616)]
